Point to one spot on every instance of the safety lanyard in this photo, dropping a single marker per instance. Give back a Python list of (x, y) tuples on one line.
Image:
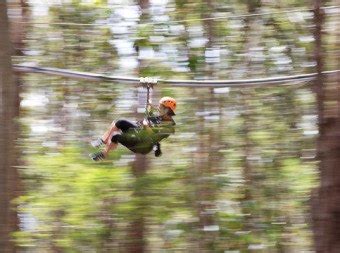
[(148, 83)]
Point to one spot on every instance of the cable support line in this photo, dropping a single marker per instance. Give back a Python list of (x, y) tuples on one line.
[(186, 20), (74, 74), (242, 15), (172, 83)]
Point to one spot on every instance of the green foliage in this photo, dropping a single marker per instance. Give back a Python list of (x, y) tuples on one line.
[(237, 175), (66, 196)]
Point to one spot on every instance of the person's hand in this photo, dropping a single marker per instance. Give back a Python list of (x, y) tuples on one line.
[(157, 149), (145, 122), (158, 153)]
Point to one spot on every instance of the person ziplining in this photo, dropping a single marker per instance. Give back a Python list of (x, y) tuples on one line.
[(142, 136)]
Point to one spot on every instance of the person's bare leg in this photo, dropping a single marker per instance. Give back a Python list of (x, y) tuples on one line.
[(108, 147), (105, 151), (108, 134)]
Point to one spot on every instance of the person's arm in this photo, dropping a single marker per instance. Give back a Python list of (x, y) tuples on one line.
[(146, 126)]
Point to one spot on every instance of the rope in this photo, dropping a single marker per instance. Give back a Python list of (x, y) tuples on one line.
[(186, 20), (173, 83), (148, 83)]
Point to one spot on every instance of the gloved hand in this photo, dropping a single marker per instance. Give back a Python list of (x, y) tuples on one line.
[(158, 153), (145, 122), (157, 149)]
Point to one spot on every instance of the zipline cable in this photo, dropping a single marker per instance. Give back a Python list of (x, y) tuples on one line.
[(187, 20), (172, 83)]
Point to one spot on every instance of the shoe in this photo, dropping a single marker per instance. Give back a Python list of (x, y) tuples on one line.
[(97, 143), (97, 156)]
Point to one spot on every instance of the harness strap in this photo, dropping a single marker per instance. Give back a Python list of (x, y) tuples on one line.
[(148, 100)]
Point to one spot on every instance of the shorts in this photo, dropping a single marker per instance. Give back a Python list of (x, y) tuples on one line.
[(134, 141), (125, 125)]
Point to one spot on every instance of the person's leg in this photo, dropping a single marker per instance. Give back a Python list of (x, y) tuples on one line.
[(108, 147), (106, 136), (120, 125), (111, 138), (115, 128), (111, 144)]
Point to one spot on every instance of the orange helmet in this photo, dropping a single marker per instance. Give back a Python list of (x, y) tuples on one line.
[(168, 102)]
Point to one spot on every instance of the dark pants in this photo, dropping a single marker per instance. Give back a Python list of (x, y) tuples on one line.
[(133, 140), (124, 126)]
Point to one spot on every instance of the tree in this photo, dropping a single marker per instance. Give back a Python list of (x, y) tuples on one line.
[(326, 209), (137, 226), (9, 98)]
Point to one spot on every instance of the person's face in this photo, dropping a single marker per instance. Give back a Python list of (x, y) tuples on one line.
[(162, 109)]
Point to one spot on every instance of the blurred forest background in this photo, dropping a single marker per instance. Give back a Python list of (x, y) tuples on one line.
[(241, 174)]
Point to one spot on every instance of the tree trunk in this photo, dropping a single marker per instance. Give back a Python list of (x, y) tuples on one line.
[(207, 158), (137, 227), (325, 204), (18, 24), (136, 233), (246, 116), (8, 99)]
